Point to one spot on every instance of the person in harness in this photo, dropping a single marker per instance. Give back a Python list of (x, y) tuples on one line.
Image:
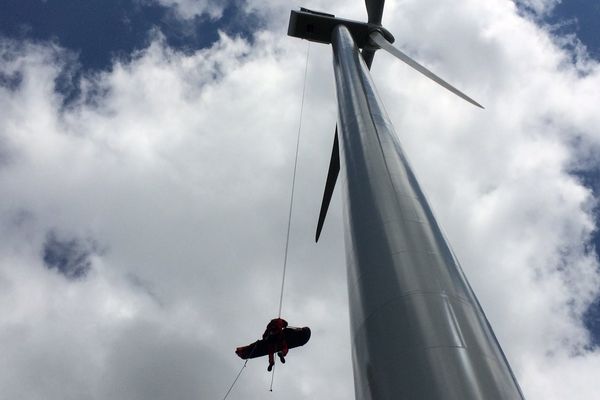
[(275, 339)]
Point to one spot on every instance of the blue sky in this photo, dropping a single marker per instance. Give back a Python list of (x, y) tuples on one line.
[(100, 30), (579, 17), (175, 166)]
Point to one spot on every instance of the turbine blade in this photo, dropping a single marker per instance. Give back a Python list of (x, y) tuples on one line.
[(368, 55), (374, 11), (384, 44), (332, 174)]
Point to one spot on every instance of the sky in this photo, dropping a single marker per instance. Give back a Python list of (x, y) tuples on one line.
[(146, 155)]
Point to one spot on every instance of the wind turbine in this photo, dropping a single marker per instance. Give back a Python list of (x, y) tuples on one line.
[(417, 329)]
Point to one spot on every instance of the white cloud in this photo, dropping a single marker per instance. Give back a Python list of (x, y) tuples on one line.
[(188, 9), (539, 7), (179, 166)]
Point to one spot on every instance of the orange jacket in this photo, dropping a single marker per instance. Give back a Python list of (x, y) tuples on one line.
[(275, 327)]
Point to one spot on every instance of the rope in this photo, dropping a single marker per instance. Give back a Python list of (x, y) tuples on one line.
[(240, 373), (287, 240), (272, 378), (235, 380)]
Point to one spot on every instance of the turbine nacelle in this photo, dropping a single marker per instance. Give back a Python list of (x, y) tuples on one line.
[(318, 27)]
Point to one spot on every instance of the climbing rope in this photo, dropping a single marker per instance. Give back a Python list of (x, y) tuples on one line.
[(240, 373), (287, 240), (272, 378), (235, 380)]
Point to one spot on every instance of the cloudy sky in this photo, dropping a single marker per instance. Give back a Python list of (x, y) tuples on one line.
[(146, 155)]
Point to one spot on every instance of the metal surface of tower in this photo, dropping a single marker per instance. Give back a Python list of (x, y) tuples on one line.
[(417, 329)]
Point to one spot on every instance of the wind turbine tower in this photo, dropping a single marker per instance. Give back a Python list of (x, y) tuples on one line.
[(417, 329)]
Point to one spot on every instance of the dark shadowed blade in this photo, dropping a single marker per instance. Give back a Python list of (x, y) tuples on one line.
[(334, 163), (384, 44), (368, 55), (375, 11), (332, 174)]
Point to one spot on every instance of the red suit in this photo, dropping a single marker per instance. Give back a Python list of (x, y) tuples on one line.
[(275, 339)]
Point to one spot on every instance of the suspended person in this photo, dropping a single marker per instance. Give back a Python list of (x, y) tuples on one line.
[(277, 338)]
